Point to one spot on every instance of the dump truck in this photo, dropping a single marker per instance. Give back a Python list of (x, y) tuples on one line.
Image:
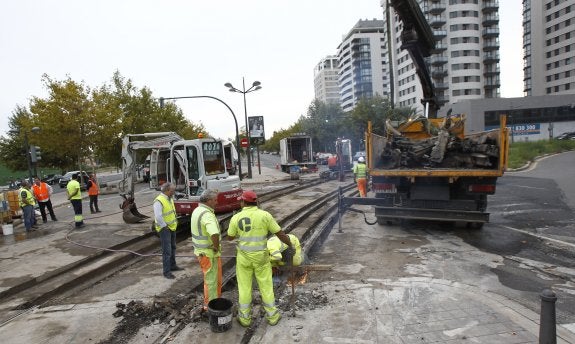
[(428, 168), (296, 153)]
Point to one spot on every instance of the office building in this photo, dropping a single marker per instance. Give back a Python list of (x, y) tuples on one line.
[(549, 47), (325, 76), (362, 68)]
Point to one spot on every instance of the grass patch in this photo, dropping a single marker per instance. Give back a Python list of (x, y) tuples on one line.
[(521, 153)]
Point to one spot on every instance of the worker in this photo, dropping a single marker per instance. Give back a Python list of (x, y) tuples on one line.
[(278, 254), (206, 235), (252, 226), (93, 192), (75, 197), (27, 202), (332, 163), (166, 224), (360, 175), (42, 191)]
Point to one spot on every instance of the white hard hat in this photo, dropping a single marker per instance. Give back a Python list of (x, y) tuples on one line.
[(361, 159)]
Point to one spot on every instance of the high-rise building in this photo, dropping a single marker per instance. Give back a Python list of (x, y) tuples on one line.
[(548, 47), (465, 61), (325, 75), (362, 69)]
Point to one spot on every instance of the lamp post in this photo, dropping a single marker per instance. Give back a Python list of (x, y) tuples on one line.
[(27, 149), (233, 115), (255, 86)]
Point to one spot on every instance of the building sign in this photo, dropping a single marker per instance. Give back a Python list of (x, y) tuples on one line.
[(257, 135), (521, 129)]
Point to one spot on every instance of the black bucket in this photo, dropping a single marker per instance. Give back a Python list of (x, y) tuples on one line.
[(220, 314)]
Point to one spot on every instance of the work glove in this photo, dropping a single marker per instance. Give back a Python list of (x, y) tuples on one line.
[(287, 255)]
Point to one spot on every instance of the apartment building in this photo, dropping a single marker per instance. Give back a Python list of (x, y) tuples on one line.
[(548, 47), (362, 68), (325, 76), (465, 61)]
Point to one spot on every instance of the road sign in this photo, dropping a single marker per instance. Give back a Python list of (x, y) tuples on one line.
[(244, 142)]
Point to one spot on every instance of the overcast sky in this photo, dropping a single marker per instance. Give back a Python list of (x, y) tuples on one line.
[(193, 47)]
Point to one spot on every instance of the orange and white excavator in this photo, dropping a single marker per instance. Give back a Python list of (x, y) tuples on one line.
[(191, 165)]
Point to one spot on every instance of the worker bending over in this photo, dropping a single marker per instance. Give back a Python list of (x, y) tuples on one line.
[(280, 254)]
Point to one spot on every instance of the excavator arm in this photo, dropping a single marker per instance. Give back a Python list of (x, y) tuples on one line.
[(417, 38), (131, 144)]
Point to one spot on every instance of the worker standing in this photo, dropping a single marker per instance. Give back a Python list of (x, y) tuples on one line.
[(42, 191), (206, 236), (93, 192), (252, 226), (27, 202), (75, 197), (360, 174), (166, 224)]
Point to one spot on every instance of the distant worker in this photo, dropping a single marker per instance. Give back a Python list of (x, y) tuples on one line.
[(281, 254), (206, 235), (93, 192), (252, 226), (166, 224), (42, 191), (332, 163), (75, 197), (360, 175), (27, 202)]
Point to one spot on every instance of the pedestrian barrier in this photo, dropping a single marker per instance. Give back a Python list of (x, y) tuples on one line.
[(220, 314)]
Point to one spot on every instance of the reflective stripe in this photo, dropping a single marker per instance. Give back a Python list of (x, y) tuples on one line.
[(251, 248), (244, 306), (276, 252), (253, 239), (197, 237), (270, 305)]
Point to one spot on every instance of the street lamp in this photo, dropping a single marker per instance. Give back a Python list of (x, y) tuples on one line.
[(233, 115), (255, 86), (27, 149)]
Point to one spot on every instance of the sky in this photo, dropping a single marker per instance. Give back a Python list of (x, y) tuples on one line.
[(181, 48)]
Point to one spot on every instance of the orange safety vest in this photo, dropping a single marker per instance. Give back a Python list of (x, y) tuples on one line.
[(94, 189), (41, 192)]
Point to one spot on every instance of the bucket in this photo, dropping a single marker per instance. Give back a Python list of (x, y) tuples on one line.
[(7, 229), (220, 314)]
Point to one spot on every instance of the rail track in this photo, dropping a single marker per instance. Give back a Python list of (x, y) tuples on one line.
[(57, 286)]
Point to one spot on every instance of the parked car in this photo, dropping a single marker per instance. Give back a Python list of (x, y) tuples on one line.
[(52, 179), (68, 176), (566, 136)]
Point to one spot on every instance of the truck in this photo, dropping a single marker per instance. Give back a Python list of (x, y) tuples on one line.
[(296, 153), (191, 165), (428, 168)]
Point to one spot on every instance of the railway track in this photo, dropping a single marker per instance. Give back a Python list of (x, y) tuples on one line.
[(58, 285)]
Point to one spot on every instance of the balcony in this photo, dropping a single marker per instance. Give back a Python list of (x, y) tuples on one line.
[(491, 19), (490, 45), (439, 73), (439, 34), (491, 71), (441, 86), (491, 83), (437, 21), (438, 60), (437, 7), (491, 58), (439, 48), (442, 99), (490, 6), (490, 32)]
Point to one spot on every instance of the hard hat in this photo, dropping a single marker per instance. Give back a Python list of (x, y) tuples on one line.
[(361, 159), (248, 196)]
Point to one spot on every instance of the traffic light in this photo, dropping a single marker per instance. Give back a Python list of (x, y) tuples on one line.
[(35, 153)]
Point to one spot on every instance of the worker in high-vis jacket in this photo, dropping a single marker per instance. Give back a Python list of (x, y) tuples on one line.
[(360, 174), (75, 197), (166, 223), (206, 235), (252, 226), (280, 256), (27, 202)]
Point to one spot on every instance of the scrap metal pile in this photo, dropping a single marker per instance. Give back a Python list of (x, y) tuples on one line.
[(444, 147)]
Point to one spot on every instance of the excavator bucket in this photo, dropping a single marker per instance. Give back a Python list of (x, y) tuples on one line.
[(130, 212)]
